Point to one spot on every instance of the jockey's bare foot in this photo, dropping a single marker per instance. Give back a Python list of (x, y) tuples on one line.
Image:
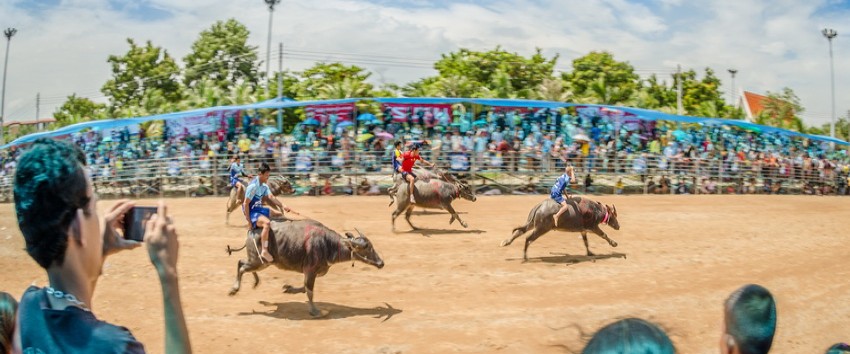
[(412, 200), (556, 220), (267, 256)]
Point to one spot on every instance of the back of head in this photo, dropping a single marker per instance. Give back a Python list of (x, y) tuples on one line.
[(49, 187), (839, 348), (8, 308), (630, 336), (750, 317), (264, 167)]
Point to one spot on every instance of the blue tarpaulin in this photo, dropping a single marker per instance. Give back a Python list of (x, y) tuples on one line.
[(639, 113)]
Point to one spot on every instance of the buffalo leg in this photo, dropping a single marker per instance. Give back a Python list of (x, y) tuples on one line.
[(241, 268), (586, 246), (535, 234), (309, 282), (407, 214), (396, 213), (517, 233), (455, 216), (604, 236)]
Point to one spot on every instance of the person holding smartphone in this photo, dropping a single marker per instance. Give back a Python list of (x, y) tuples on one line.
[(57, 214)]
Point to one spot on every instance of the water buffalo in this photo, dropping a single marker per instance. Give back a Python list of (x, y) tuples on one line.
[(278, 185), (433, 194), (583, 215), (421, 175), (307, 247)]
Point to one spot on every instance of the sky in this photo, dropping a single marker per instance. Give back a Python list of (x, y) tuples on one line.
[(62, 46)]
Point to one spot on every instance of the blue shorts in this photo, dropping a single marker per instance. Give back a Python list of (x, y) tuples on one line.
[(255, 215), (404, 175), (557, 197), (234, 182)]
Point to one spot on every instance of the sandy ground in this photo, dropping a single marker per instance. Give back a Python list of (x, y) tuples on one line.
[(455, 290)]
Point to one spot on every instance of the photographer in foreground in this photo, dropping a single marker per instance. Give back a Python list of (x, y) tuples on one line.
[(57, 215)]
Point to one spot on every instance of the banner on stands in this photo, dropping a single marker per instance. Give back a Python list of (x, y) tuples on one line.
[(399, 111), (193, 125), (322, 113), (626, 120)]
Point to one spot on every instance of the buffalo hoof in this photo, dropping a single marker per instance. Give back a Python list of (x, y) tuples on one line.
[(613, 243), (289, 289), (465, 225), (505, 243), (233, 292), (590, 254), (316, 313)]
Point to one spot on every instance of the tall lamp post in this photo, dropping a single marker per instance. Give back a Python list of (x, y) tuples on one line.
[(271, 4), (733, 72), (9, 32), (830, 34)]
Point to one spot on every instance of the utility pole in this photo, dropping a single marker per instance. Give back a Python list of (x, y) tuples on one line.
[(9, 33), (830, 34), (37, 106), (271, 4), (734, 100), (679, 109), (280, 87)]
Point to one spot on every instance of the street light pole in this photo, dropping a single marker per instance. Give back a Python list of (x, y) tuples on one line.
[(9, 32), (271, 4), (830, 34), (733, 72)]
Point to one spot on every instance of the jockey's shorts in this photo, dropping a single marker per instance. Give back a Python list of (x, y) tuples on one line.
[(255, 215), (405, 173), (234, 181), (557, 197)]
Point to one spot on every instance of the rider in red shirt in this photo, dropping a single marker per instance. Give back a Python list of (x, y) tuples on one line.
[(408, 159)]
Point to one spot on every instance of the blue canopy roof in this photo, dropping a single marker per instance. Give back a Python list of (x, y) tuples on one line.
[(639, 113)]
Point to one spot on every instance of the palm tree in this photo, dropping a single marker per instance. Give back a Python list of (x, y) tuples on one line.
[(347, 88), (454, 86), (602, 93), (553, 90)]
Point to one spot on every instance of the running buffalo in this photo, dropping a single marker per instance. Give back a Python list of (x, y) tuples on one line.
[(583, 215), (433, 194), (307, 247)]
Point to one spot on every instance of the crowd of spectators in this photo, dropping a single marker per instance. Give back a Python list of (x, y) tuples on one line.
[(512, 140)]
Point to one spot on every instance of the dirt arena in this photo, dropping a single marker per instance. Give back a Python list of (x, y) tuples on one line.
[(456, 290)]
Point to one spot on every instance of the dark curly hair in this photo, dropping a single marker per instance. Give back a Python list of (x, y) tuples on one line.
[(50, 185)]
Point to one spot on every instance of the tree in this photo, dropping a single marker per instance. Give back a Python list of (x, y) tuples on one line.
[(78, 109), (589, 69), (657, 94), (347, 88), (781, 110), (553, 89), (323, 75), (140, 70), (222, 55), (601, 92)]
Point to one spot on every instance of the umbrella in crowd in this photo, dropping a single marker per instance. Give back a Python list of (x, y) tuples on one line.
[(581, 137), (366, 116), (345, 124), (363, 137), (480, 122), (266, 131), (384, 135), (310, 121)]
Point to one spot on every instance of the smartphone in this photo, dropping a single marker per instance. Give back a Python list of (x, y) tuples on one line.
[(134, 222)]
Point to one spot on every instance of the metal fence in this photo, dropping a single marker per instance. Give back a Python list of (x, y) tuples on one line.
[(489, 172)]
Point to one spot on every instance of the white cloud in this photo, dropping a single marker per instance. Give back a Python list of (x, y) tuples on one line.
[(772, 44)]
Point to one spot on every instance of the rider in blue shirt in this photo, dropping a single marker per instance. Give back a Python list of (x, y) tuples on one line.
[(559, 190), (237, 170), (258, 215)]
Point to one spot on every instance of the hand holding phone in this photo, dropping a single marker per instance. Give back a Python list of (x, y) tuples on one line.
[(134, 222)]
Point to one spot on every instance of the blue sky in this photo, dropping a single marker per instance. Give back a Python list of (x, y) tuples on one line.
[(62, 45)]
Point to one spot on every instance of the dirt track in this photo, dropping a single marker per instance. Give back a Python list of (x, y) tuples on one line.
[(456, 290)]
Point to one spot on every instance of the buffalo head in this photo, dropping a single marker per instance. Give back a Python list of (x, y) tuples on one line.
[(465, 191), (363, 250), (612, 217), (280, 185)]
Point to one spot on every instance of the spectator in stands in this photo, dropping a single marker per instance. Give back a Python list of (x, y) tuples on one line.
[(630, 336), (619, 186), (58, 218), (663, 185), (750, 321), (8, 311), (588, 184), (327, 189)]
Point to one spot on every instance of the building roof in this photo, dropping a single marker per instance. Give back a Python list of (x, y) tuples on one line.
[(753, 104), (30, 122)]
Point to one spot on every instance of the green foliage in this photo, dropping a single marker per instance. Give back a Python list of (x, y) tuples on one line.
[(138, 72), (782, 109), (78, 109), (221, 54), (613, 79), (332, 79)]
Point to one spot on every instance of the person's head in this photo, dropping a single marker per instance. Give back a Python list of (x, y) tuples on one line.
[(55, 206), (631, 335), (750, 321), (8, 308), (397, 144), (414, 149), (839, 348), (264, 172)]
